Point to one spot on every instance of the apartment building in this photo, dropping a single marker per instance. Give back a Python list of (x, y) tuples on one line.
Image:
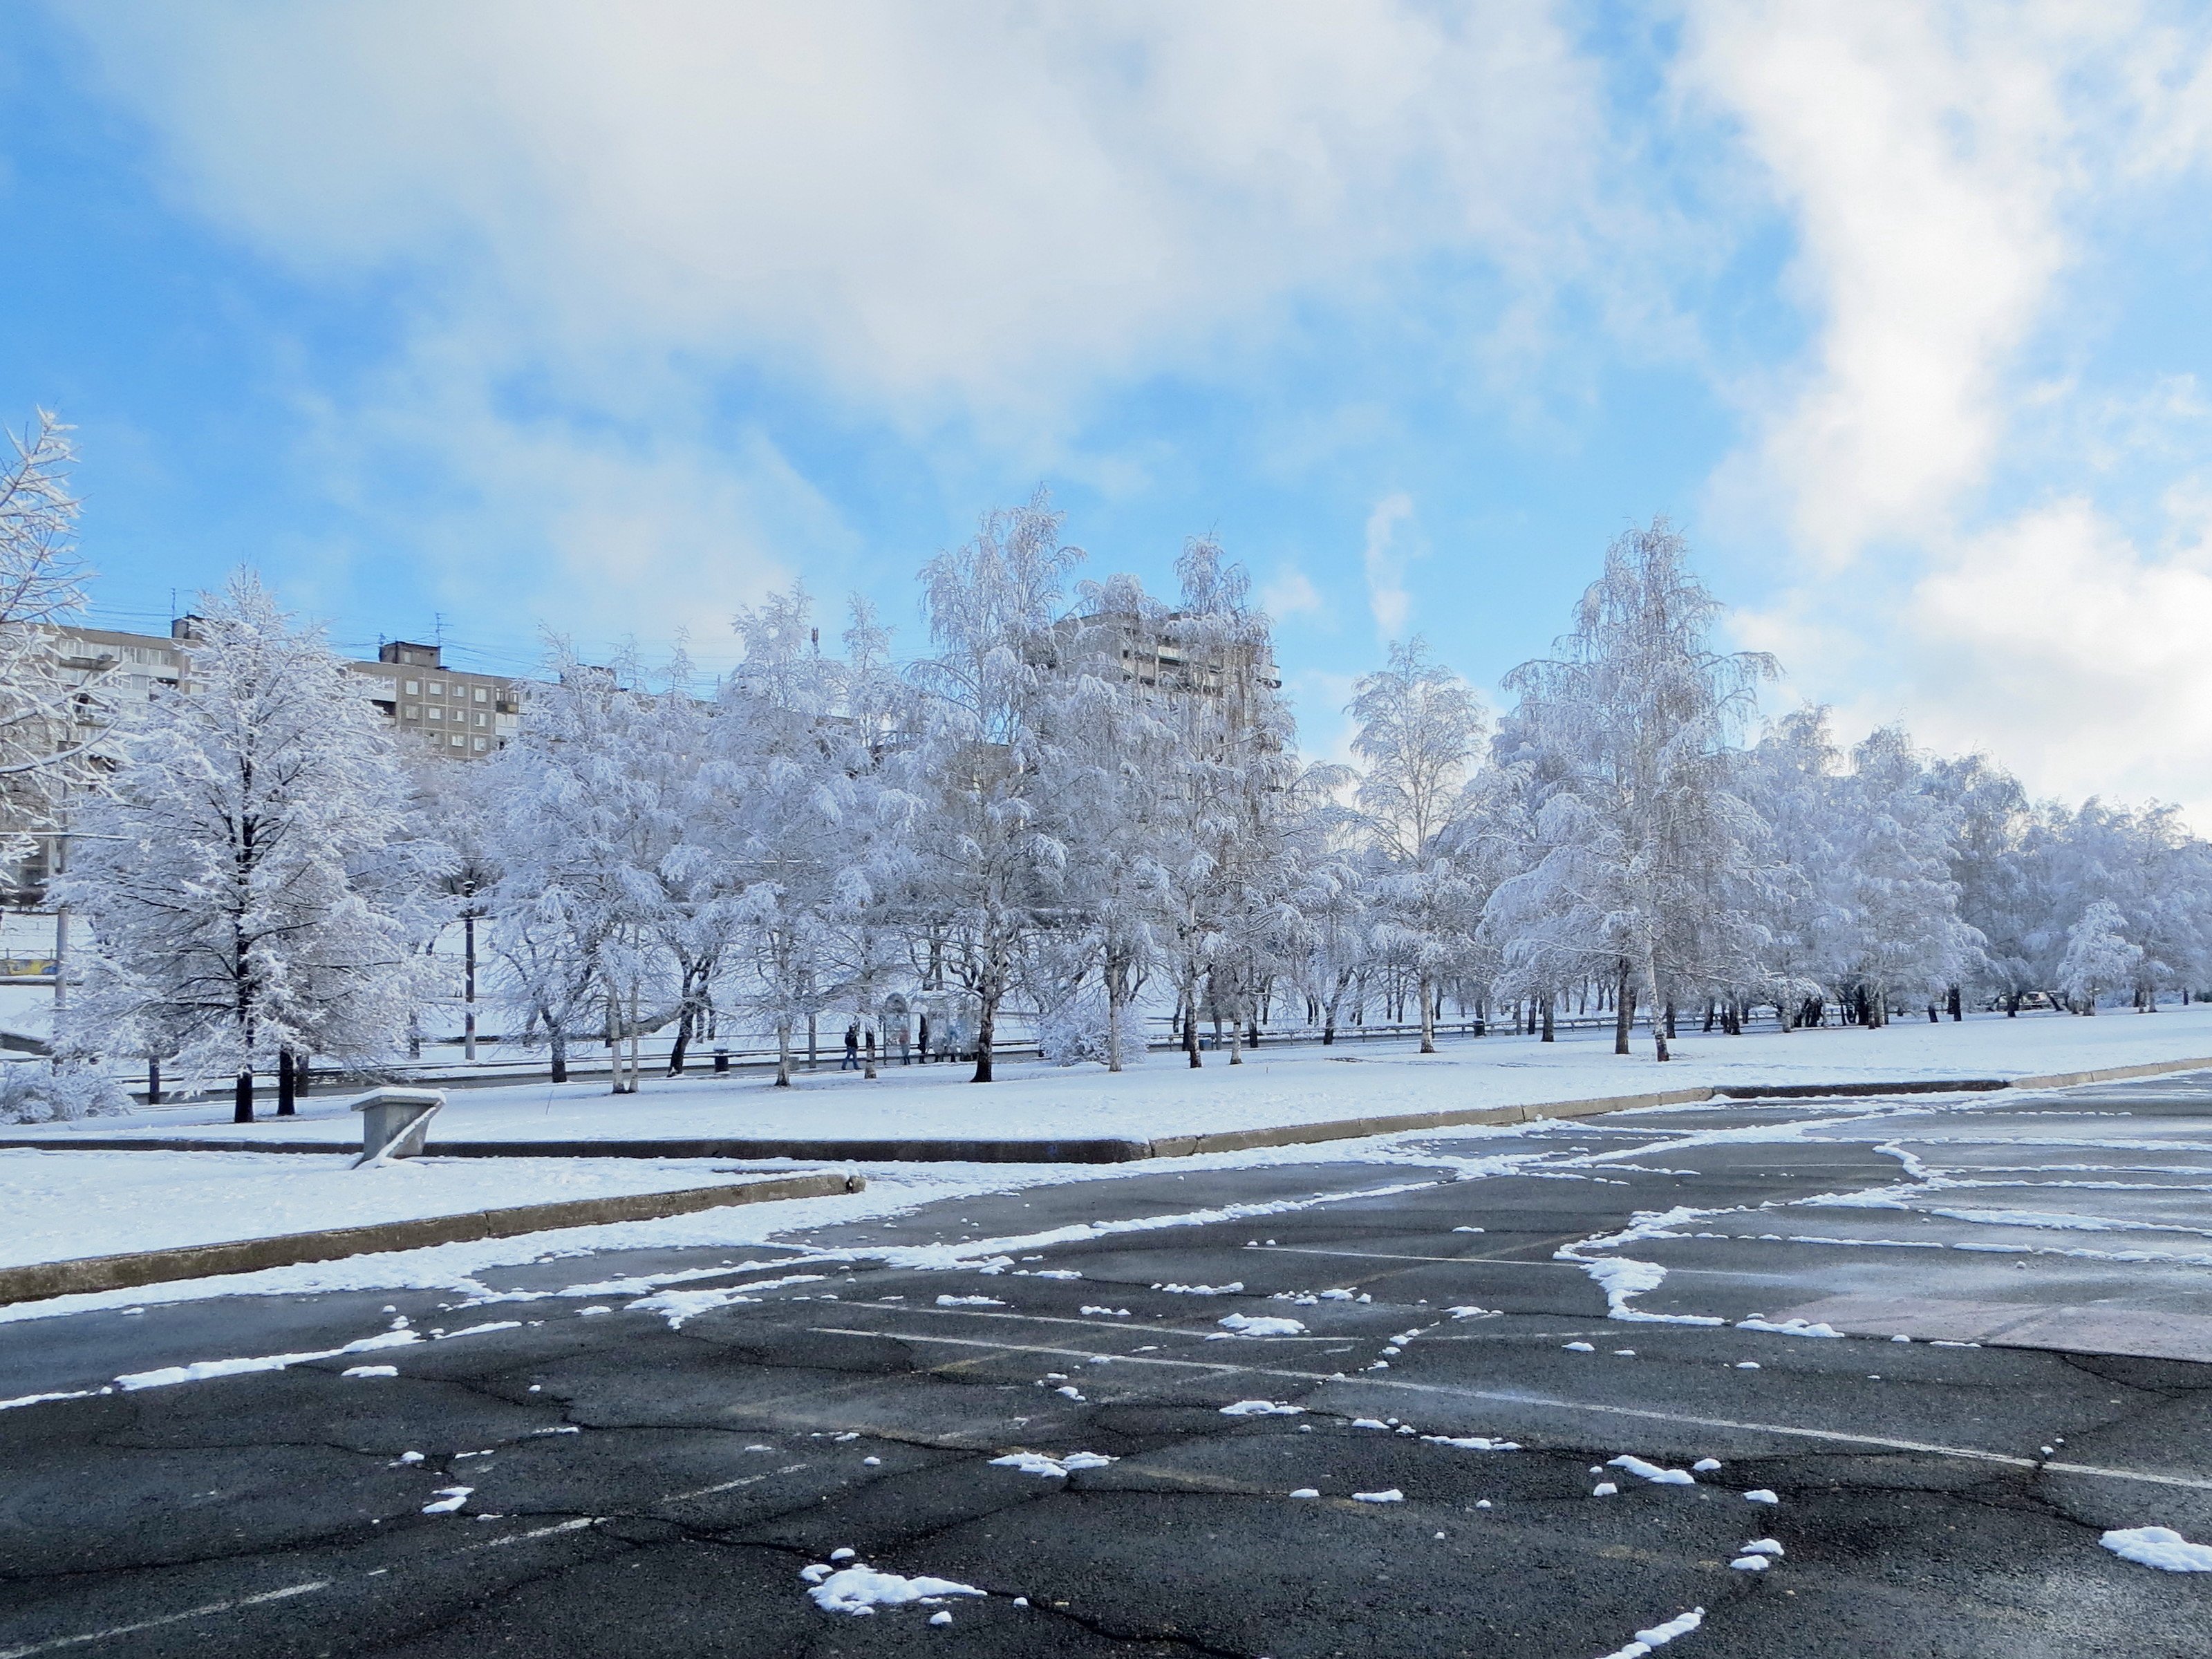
[(459, 714)]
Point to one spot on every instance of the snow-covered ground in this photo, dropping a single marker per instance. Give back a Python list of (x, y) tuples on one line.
[(1274, 1086), (64, 1205)]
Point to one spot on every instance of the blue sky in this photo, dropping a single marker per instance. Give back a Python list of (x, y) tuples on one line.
[(608, 320)]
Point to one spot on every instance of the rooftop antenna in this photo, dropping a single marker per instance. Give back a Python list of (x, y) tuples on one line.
[(438, 622)]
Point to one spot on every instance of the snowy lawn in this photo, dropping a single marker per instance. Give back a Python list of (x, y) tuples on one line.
[(1275, 1086), (64, 1205)]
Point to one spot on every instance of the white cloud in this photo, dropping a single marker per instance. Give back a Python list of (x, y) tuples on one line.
[(1925, 155), (1942, 169), (990, 202), (955, 224), (1290, 593), (2052, 641), (1385, 562)]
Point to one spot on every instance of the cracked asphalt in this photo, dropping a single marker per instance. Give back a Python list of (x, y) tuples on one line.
[(657, 1442)]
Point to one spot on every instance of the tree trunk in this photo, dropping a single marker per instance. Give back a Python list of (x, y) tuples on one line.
[(1670, 1020), (468, 987), (241, 1110), (1623, 1009), (1428, 1017), (637, 1061), (783, 1054), (152, 1082), (1113, 1020), (558, 1039), (685, 1023), (986, 1031), (1190, 1025), (1549, 1033), (1660, 1022), (287, 1096), (1957, 1011), (813, 1042), (868, 1070)]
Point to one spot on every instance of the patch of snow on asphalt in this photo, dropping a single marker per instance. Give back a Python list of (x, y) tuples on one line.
[(1788, 1327), (1051, 1468), (449, 1499), (863, 1590), (2159, 1546), (1202, 1290), (1392, 1495), (1261, 1408), (200, 1370), (370, 1370), (1471, 1442), (1652, 1472), (1262, 1325), (1761, 1496), (969, 1302), (1659, 1635)]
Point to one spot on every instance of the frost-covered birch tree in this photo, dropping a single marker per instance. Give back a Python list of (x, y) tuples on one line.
[(1635, 723), (1111, 760), (988, 871), (1905, 937), (1419, 728), (48, 722), (789, 818), (223, 872), (591, 829)]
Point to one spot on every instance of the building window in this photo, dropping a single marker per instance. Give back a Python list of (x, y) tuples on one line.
[(437, 713), (414, 688), (478, 745), (455, 740), (414, 711), (483, 695), (483, 719), (437, 688)]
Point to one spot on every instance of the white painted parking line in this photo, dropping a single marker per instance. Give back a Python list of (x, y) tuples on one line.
[(1525, 1397), (728, 1485), (554, 1530), (207, 1611), (1490, 1261)]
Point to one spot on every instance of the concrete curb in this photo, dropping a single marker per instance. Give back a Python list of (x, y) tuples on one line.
[(115, 1273), (2110, 1074), (1108, 1150)]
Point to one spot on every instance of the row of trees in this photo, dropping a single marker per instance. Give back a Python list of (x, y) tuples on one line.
[(1085, 802)]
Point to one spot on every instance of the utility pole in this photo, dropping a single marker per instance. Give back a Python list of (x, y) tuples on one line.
[(468, 985)]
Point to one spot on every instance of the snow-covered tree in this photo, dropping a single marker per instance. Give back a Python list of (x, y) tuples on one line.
[(41, 583), (1419, 728), (1111, 758), (1642, 835), (222, 872), (1994, 862), (788, 822), (1792, 779), (989, 872), (1234, 816), (1905, 937), (2099, 959), (596, 845)]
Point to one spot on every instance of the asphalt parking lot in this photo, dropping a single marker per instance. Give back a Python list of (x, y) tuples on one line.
[(656, 1445)]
